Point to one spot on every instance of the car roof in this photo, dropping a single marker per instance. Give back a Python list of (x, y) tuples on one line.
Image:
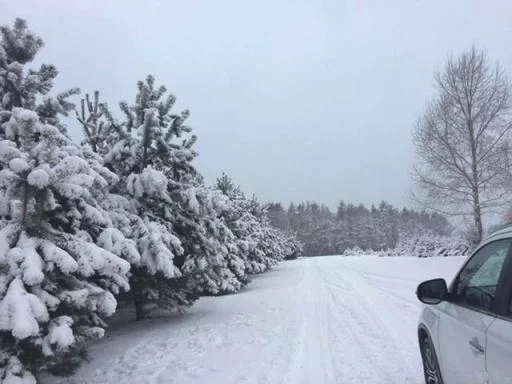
[(502, 233)]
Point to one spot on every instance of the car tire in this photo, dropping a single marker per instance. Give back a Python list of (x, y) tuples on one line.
[(430, 364)]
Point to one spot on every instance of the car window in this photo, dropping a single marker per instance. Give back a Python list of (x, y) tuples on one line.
[(476, 284)]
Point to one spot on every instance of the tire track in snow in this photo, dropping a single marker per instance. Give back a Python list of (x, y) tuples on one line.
[(371, 351), (388, 285), (357, 357), (312, 358), (293, 368)]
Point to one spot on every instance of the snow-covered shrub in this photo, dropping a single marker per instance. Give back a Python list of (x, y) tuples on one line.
[(421, 246), (355, 251), (429, 246)]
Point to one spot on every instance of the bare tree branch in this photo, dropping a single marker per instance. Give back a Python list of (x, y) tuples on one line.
[(462, 140)]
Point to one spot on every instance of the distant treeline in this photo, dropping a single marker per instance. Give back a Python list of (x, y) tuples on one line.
[(378, 227)]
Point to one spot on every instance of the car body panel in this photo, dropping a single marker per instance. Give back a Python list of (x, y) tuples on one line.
[(458, 326), (499, 351), (451, 327)]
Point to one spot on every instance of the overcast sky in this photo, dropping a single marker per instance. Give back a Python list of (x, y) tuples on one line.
[(295, 100)]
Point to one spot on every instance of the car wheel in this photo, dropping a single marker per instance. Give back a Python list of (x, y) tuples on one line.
[(430, 364)]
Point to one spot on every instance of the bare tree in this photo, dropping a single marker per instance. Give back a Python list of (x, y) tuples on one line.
[(462, 140)]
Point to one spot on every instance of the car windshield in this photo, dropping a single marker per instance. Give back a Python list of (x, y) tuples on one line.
[(248, 191)]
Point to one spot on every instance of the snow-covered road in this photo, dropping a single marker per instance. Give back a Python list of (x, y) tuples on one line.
[(318, 320)]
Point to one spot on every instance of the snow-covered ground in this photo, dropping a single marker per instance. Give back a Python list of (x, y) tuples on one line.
[(317, 320)]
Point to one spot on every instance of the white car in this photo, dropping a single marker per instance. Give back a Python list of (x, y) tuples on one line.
[(465, 330)]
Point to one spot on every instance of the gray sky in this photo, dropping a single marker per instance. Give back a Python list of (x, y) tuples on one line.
[(295, 100)]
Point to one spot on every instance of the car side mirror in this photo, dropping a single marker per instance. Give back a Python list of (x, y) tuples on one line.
[(432, 291)]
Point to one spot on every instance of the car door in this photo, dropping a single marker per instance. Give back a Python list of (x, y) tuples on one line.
[(468, 313), (499, 334)]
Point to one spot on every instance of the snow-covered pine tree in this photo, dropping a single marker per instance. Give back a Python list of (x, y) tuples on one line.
[(28, 89), (193, 211), (259, 245), (277, 216), (244, 225), (269, 248), (58, 264), (294, 247), (58, 275), (238, 219), (140, 204), (96, 122), (389, 223), (197, 220), (212, 260)]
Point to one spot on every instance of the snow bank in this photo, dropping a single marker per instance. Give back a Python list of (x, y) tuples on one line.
[(427, 246)]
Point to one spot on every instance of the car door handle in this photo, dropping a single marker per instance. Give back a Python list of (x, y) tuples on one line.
[(475, 345)]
